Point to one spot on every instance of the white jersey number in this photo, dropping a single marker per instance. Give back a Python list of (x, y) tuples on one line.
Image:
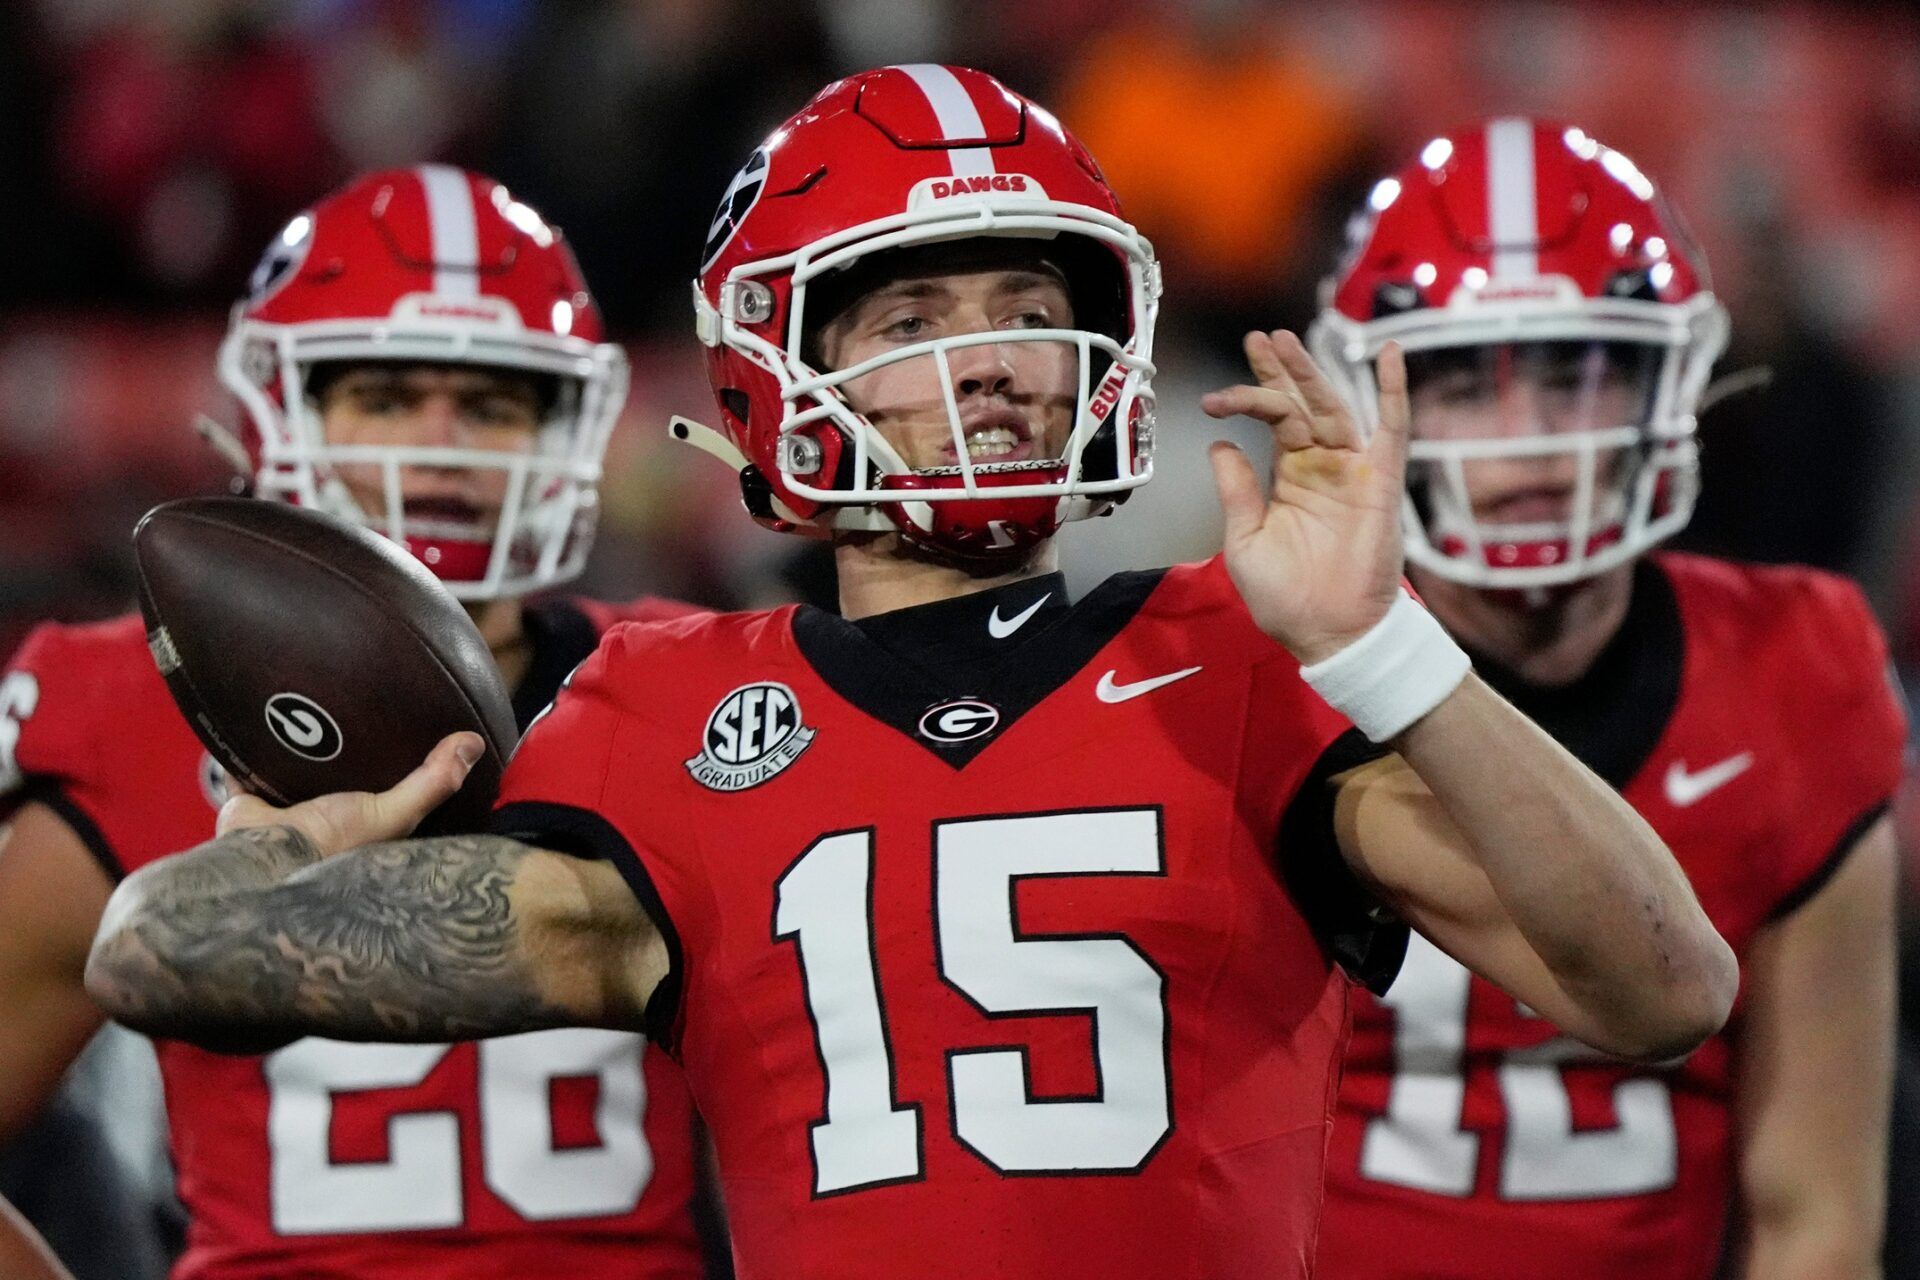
[(866, 1138), (419, 1185), (19, 696), (1419, 1142)]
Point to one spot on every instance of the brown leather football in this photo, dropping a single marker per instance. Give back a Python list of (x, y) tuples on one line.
[(311, 655)]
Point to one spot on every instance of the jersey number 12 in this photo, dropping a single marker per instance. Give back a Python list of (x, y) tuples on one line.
[(1420, 1142)]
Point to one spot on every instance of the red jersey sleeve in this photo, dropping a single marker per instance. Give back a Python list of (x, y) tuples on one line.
[(1841, 701), (47, 754), (584, 782)]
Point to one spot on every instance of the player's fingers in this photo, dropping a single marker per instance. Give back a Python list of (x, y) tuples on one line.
[(1263, 360), (1331, 416), (1264, 403), (243, 811), (1280, 410), (1243, 499), (395, 812), (1389, 445)]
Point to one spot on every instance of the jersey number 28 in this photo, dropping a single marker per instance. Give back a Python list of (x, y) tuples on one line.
[(420, 1184)]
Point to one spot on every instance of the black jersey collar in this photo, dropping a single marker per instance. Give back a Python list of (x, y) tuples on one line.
[(955, 674), (1613, 717), (976, 628)]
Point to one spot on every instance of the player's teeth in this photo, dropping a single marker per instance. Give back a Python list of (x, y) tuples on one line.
[(994, 442)]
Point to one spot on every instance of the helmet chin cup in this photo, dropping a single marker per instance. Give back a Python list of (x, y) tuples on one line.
[(1542, 557), (458, 561), (982, 530)]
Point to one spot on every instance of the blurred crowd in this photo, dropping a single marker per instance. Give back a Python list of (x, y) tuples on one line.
[(151, 148)]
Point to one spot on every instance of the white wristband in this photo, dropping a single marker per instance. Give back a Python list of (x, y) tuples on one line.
[(1404, 667)]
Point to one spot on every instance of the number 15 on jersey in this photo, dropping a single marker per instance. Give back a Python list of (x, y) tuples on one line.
[(866, 1137)]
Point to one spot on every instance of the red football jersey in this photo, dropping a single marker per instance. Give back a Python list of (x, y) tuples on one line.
[(1004, 933), (560, 1153), (1747, 714)]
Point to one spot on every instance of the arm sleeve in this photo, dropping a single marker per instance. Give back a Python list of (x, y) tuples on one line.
[(1849, 722), (46, 754), (582, 783)]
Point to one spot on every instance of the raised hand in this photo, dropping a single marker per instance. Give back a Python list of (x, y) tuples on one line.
[(1316, 553)]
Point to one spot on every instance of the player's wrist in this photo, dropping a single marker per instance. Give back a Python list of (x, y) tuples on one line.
[(1311, 651), (1401, 668)]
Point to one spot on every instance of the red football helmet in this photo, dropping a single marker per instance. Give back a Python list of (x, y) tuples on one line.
[(892, 160), (1525, 256), (439, 265)]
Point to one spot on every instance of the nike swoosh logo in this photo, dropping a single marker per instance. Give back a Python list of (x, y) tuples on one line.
[(1108, 691), (1000, 628), (1684, 788)]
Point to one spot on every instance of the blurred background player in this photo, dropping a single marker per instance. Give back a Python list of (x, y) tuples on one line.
[(1113, 1038), (417, 352), (1559, 333)]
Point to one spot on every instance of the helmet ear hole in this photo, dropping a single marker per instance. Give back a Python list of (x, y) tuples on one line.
[(736, 403)]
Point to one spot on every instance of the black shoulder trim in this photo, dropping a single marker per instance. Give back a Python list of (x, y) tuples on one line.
[(561, 637), (51, 794), (1804, 892), (585, 834), (1358, 932)]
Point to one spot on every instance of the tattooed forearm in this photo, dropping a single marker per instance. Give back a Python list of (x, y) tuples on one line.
[(251, 858), (414, 940)]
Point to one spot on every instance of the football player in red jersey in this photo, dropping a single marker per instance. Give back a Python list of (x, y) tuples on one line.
[(999, 935), (418, 351), (1559, 332)]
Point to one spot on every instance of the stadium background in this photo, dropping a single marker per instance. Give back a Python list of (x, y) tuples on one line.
[(149, 148)]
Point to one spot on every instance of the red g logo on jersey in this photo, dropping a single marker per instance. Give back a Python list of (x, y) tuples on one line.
[(753, 734)]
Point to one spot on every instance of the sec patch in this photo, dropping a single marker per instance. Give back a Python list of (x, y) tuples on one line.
[(753, 734)]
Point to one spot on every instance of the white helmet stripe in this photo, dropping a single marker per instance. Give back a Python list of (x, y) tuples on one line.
[(1513, 216), (957, 114), (456, 236)]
